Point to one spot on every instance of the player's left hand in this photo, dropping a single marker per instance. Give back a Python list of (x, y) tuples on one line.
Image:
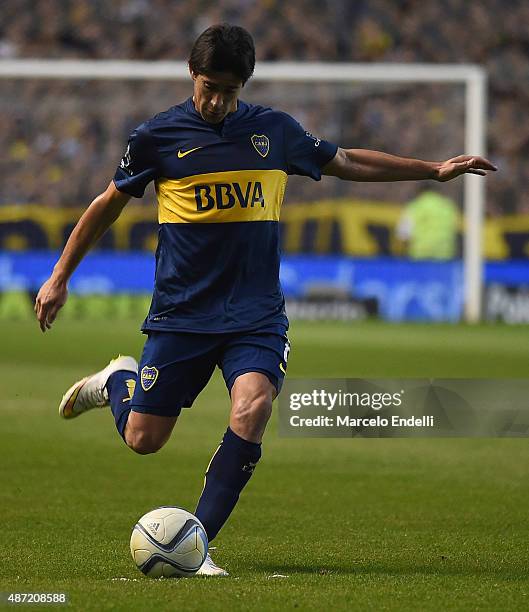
[(463, 164)]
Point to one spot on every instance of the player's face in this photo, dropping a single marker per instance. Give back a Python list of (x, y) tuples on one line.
[(215, 95)]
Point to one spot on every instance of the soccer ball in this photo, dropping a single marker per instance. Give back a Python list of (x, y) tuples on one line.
[(168, 542)]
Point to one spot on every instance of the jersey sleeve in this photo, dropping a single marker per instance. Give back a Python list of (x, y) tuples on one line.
[(139, 165), (305, 154)]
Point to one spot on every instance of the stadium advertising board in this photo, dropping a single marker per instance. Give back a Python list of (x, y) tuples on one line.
[(323, 287), (350, 227)]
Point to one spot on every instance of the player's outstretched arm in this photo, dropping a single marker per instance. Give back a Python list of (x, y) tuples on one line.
[(365, 165), (97, 218)]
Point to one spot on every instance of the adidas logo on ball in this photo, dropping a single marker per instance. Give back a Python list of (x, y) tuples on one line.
[(153, 527)]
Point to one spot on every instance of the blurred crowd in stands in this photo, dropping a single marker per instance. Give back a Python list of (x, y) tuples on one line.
[(61, 140)]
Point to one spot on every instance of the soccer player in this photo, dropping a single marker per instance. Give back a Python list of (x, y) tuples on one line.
[(220, 168)]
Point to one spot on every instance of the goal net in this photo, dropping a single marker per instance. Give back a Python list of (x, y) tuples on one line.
[(66, 124)]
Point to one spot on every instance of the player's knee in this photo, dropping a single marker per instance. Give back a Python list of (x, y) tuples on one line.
[(252, 411), (143, 442)]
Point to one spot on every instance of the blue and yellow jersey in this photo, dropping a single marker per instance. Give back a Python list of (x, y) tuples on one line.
[(220, 190)]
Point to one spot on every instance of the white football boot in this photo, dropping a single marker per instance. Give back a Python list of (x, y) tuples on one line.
[(91, 392), (210, 569)]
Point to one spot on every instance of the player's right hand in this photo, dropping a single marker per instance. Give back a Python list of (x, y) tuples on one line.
[(50, 299)]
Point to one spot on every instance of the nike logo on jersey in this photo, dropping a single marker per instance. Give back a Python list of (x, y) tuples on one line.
[(184, 153)]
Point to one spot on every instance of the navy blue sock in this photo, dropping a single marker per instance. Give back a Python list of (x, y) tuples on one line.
[(228, 472), (120, 387)]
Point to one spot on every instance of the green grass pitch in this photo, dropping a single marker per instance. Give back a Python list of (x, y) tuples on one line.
[(430, 524)]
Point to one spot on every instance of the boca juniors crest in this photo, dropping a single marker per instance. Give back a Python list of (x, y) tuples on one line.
[(261, 144), (148, 377)]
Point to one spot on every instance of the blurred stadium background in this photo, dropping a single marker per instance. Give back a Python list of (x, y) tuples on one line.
[(61, 140)]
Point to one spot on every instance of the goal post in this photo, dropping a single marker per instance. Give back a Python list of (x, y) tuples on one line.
[(473, 78)]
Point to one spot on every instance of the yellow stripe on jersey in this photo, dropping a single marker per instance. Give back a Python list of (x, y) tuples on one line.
[(222, 197)]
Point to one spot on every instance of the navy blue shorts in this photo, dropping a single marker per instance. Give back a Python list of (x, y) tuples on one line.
[(176, 366)]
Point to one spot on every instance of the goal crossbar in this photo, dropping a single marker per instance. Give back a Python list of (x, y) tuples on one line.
[(473, 77)]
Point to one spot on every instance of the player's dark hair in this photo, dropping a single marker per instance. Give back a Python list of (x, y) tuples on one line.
[(224, 48)]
